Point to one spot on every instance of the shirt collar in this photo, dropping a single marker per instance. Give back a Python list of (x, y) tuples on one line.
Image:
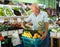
[(38, 14)]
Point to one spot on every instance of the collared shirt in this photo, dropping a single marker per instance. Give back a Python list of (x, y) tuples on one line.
[(41, 18)]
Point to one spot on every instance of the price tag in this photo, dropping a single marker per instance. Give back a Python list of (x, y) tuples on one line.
[(58, 34), (11, 20), (13, 31), (4, 33), (18, 19), (20, 31), (53, 34), (0, 43), (10, 32), (1, 20)]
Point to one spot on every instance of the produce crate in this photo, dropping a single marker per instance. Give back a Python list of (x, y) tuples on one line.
[(30, 42), (32, 31)]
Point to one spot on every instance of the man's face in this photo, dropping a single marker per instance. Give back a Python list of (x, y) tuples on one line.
[(35, 9)]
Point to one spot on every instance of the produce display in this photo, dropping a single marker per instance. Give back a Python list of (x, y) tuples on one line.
[(16, 8), (9, 12), (1, 37), (22, 10), (5, 27), (55, 29), (2, 11), (16, 11), (5, 11), (29, 12), (31, 39), (13, 11), (29, 35)]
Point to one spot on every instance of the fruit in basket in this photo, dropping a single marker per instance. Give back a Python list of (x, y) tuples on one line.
[(39, 36), (36, 35), (27, 34), (40, 31)]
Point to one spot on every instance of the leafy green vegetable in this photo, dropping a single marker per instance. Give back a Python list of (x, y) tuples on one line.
[(9, 12), (5, 11), (22, 11), (2, 12), (16, 9)]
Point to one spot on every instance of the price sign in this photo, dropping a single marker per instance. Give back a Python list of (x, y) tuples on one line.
[(53, 34), (18, 19), (4, 33), (58, 34), (10, 32), (1, 20), (20, 31), (11, 20)]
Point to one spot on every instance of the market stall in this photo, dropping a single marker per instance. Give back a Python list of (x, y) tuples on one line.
[(16, 12)]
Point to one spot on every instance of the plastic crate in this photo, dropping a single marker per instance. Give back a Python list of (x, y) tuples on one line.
[(30, 42)]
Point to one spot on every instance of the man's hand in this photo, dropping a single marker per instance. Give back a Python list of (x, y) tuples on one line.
[(44, 36), (22, 25), (46, 29)]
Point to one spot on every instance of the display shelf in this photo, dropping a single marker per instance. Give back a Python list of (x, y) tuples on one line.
[(10, 6), (10, 32), (11, 9), (56, 38), (13, 19), (13, 16), (29, 1), (1, 5)]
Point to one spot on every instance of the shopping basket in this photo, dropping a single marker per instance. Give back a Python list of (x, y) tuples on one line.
[(31, 42)]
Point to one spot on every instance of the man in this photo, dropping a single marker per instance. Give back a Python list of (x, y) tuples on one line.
[(36, 17)]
